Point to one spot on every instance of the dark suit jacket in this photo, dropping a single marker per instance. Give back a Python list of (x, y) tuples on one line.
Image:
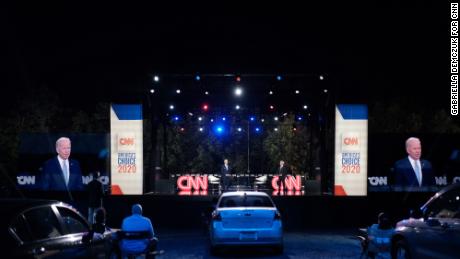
[(404, 174), (224, 171), (283, 171), (52, 177)]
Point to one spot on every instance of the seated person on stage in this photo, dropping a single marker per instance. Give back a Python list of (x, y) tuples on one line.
[(137, 223), (379, 238)]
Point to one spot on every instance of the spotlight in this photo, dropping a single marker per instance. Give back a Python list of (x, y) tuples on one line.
[(275, 129), (201, 129), (206, 93), (176, 118), (197, 78), (279, 78), (270, 93), (190, 114), (294, 128), (321, 77), (156, 78), (305, 107), (238, 91), (299, 118), (212, 120), (238, 78), (257, 129), (272, 107), (262, 120), (325, 90), (182, 129), (297, 91), (224, 119), (205, 107), (171, 107), (237, 107), (152, 91), (178, 91), (200, 118), (252, 118), (219, 129), (276, 118), (239, 129)]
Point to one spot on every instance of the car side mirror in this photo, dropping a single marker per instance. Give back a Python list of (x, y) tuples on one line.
[(87, 238)]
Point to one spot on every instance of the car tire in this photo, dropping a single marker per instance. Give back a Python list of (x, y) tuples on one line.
[(401, 250), (279, 249)]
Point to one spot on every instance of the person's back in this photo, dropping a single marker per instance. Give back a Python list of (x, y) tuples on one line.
[(380, 237), (136, 223)]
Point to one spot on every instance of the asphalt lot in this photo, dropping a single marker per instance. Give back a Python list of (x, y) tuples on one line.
[(306, 244)]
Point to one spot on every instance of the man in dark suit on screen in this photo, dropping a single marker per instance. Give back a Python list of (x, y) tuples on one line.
[(61, 173), (413, 171)]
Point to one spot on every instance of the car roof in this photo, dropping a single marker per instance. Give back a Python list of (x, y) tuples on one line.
[(238, 193), (12, 207)]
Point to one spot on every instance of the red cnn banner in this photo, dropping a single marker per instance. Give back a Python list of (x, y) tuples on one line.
[(292, 185), (192, 185)]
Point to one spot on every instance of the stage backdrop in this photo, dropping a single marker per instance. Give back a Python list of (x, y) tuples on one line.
[(350, 150), (126, 149)]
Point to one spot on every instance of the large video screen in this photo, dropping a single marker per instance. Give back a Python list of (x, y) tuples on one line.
[(392, 169), (39, 168)]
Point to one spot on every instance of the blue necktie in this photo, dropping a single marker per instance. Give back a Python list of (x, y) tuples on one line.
[(65, 171), (418, 173)]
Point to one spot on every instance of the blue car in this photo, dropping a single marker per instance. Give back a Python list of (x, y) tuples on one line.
[(246, 218)]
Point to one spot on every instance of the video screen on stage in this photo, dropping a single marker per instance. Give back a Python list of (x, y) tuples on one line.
[(393, 166), (41, 166)]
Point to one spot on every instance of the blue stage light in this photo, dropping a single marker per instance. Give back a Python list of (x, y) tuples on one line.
[(299, 118), (224, 119), (239, 129), (176, 118), (252, 118), (219, 129), (279, 78), (258, 129), (197, 78)]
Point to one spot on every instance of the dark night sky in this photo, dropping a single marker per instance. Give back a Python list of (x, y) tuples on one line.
[(105, 51)]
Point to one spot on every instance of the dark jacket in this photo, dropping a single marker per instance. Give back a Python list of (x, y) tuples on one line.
[(95, 193)]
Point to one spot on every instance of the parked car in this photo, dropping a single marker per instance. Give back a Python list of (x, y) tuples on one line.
[(246, 218), (47, 229), (433, 231)]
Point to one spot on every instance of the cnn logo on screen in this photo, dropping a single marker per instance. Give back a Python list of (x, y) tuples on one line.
[(126, 142), (350, 142)]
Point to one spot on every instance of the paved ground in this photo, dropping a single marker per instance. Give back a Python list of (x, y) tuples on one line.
[(308, 244)]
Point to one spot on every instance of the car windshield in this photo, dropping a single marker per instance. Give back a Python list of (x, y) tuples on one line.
[(445, 206), (245, 201)]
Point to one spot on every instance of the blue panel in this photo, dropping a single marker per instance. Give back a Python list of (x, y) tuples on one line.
[(128, 111), (353, 111)]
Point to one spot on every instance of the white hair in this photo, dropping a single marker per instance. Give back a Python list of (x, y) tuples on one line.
[(411, 139), (60, 140)]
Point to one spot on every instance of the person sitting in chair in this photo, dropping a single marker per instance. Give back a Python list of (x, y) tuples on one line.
[(137, 223), (379, 238)]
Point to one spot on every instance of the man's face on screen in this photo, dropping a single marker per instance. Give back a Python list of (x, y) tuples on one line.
[(63, 149), (414, 149)]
